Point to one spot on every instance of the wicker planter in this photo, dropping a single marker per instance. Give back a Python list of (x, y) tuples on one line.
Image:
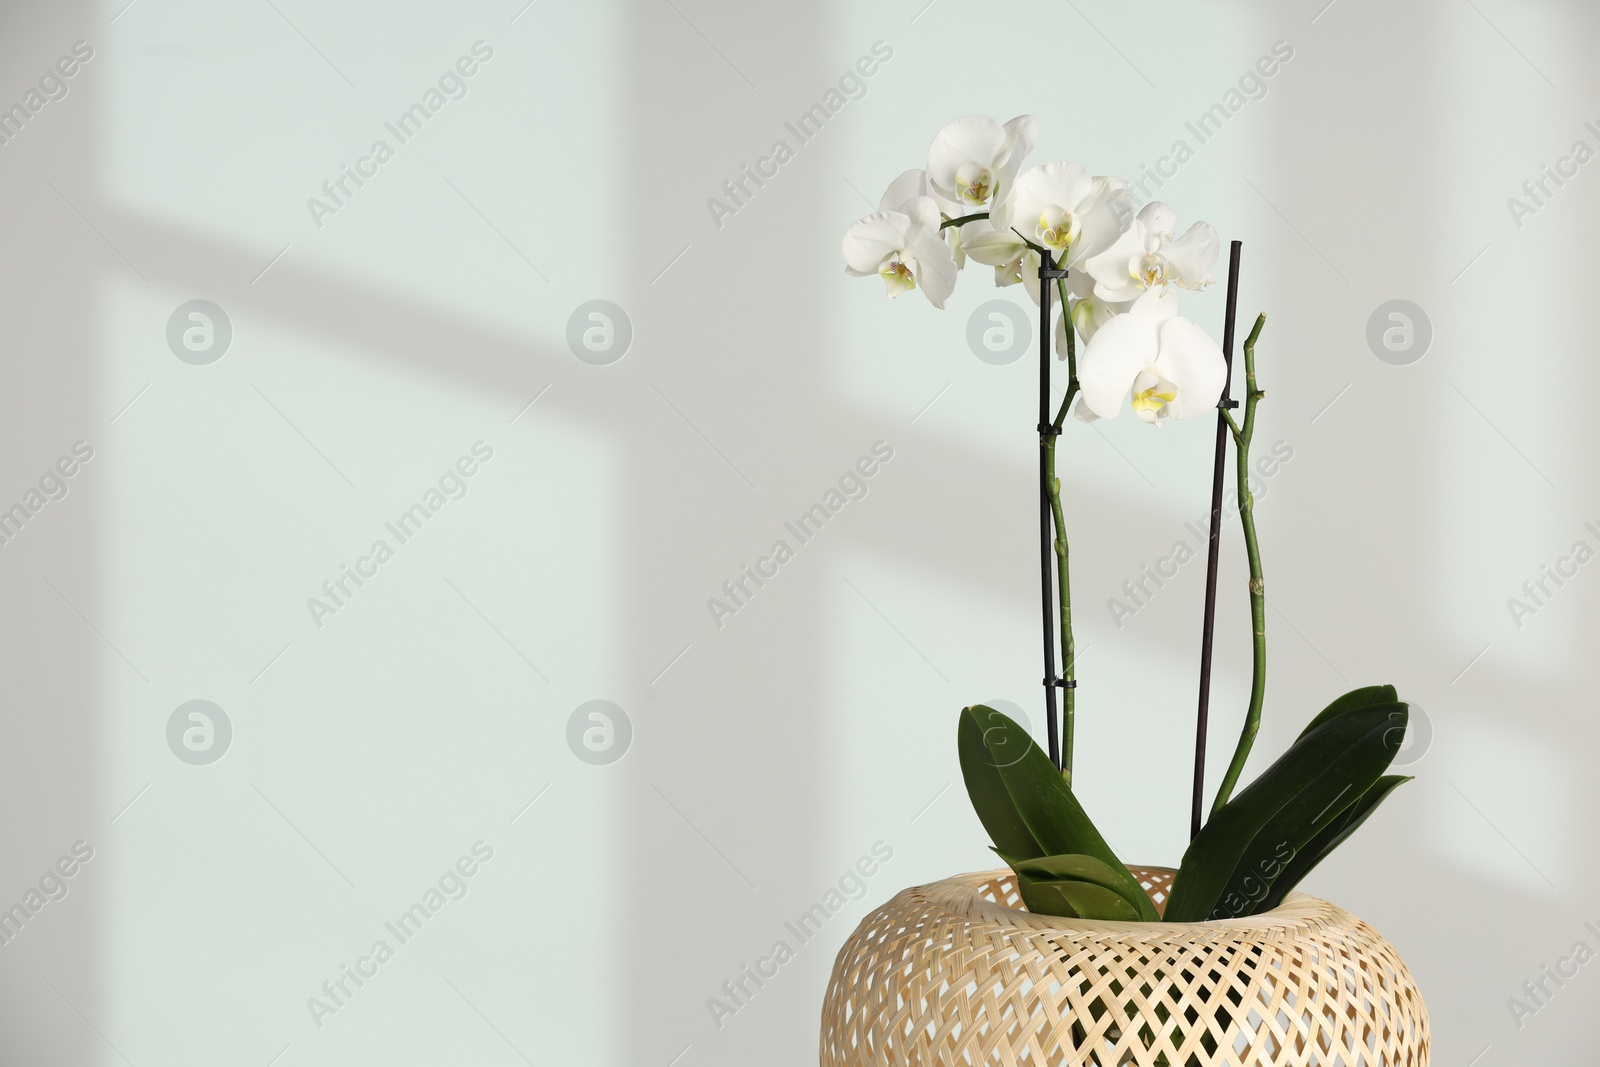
[(956, 973)]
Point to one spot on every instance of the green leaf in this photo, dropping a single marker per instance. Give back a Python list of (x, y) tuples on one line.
[(985, 788), (1322, 773), (1082, 900), (1311, 811), (1041, 801), (1331, 837), (1080, 868), (1356, 698)]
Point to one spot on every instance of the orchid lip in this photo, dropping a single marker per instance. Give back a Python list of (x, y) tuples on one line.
[(1150, 403), (974, 182), (1150, 270), (1058, 228), (897, 276)]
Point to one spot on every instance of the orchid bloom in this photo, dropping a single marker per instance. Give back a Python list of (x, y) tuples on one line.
[(910, 185), (1147, 256), (973, 160), (1057, 206), (914, 183), (1089, 313), (1172, 367), (1086, 313), (1013, 261), (1084, 310), (904, 248)]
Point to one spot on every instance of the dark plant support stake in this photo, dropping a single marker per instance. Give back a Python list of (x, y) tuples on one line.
[(1211, 552), (1047, 271)]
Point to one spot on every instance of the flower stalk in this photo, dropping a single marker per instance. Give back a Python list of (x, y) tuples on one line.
[(963, 220), (1069, 666), (1258, 595)]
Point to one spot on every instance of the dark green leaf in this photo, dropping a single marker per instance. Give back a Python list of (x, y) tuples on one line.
[(1082, 900), (1331, 837), (1040, 797), (1080, 868), (1316, 806), (1257, 832), (984, 787), (1076, 867), (1356, 698)]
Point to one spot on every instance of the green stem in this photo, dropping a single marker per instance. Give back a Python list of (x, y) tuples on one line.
[(947, 223), (1258, 594), (1072, 356), (1069, 666)]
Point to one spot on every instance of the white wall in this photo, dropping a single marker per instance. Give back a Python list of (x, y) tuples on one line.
[(371, 348)]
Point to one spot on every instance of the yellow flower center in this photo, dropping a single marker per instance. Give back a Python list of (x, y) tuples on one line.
[(1149, 401), (974, 182), (1150, 270), (1058, 228), (897, 277)]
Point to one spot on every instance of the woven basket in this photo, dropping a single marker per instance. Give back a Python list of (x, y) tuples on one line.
[(957, 973)]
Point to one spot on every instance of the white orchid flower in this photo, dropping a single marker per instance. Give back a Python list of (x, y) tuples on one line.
[(910, 185), (1089, 313), (973, 160), (1013, 261), (903, 248), (1058, 206), (1085, 311), (914, 183), (1147, 256), (1172, 367)]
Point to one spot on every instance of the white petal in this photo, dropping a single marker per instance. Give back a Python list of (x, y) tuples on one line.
[(1193, 255), (868, 241), (1021, 134), (910, 184), (953, 238), (923, 213), (1159, 219), (935, 268), (1089, 313), (1163, 304), (1116, 355), (1001, 212), (995, 248), (1061, 334), (974, 137), (1081, 412), (1110, 270), (1192, 361), (1063, 185), (1106, 212), (1030, 273)]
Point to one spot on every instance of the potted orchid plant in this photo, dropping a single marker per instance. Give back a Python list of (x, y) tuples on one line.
[(1117, 273)]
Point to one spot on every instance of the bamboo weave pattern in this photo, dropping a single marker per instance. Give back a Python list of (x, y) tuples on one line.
[(957, 973)]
